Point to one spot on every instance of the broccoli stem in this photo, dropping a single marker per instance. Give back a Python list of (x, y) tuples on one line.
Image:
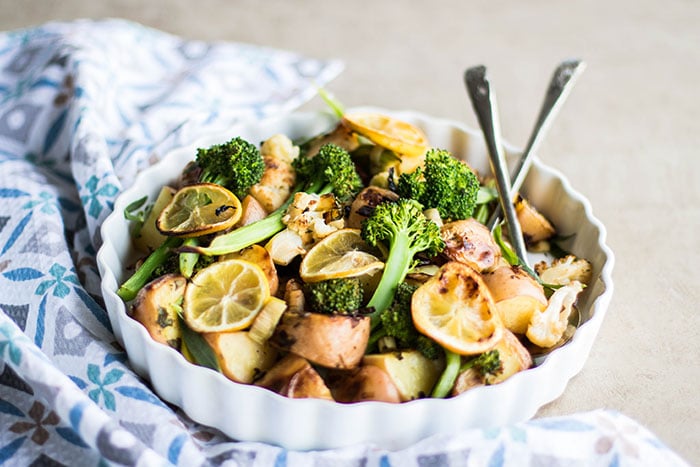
[(260, 230), (481, 213), (188, 260), (245, 236), (449, 375), (395, 269), (130, 288)]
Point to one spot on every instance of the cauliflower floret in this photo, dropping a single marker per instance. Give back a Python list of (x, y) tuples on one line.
[(284, 246), (565, 270), (314, 217), (309, 218), (280, 147), (547, 327)]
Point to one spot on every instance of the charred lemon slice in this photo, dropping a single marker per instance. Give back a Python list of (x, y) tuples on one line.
[(197, 210), (226, 296), (388, 132), (341, 254), (456, 310)]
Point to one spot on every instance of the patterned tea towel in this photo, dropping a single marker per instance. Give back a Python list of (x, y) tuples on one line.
[(84, 106)]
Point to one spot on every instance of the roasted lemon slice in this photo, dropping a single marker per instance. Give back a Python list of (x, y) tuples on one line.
[(197, 210), (225, 296), (388, 132), (341, 254), (455, 308)]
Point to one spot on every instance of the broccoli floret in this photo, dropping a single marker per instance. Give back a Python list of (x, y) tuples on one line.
[(487, 364), (397, 322), (171, 265), (445, 184), (342, 296), (406, 231), (331, 170), (236, 165), (428, 347)]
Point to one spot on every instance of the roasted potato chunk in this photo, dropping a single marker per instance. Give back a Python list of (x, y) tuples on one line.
[(251, 211), (366, 383), (468, 241), (240, 358), (365, 202), (156, 308), (517, 296), (332, 341), (534, 225), (413, 374), (294, 377)]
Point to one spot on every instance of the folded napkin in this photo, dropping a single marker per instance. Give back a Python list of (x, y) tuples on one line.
[(84, 106)]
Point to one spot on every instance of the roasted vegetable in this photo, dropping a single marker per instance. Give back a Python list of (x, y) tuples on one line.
[(342, 296), (468, 241), (157, 306), (507, 358), (366, 383), (330, 171), (240, 358), (236, 165), (294, 377), (405, 230), (413, 374), (333, 341), (445, 183), (279, 177), (397, 326), (517, 295)]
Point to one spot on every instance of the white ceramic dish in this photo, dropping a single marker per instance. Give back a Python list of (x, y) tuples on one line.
[(253, 414)]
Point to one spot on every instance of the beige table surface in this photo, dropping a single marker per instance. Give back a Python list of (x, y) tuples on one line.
[(628, 138)]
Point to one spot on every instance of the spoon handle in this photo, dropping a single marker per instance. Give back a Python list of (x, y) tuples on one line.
[(484, 103), (560, 86)]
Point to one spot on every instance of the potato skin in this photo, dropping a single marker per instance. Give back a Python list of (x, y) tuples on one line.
[(468, 241), (365, 202), (534, 225), (294, 377), (241, 358), (332, 341), (413, 374), (252, 211), (517, 296), (366, 383), (154, 308)]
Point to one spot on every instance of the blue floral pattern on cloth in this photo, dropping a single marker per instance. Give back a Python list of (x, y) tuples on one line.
[(85, 106)]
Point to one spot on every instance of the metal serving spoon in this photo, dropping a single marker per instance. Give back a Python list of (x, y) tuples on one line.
[(484, 102), (560, 86)]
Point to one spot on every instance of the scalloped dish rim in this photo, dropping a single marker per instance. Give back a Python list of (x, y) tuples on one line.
[(250, 413)]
